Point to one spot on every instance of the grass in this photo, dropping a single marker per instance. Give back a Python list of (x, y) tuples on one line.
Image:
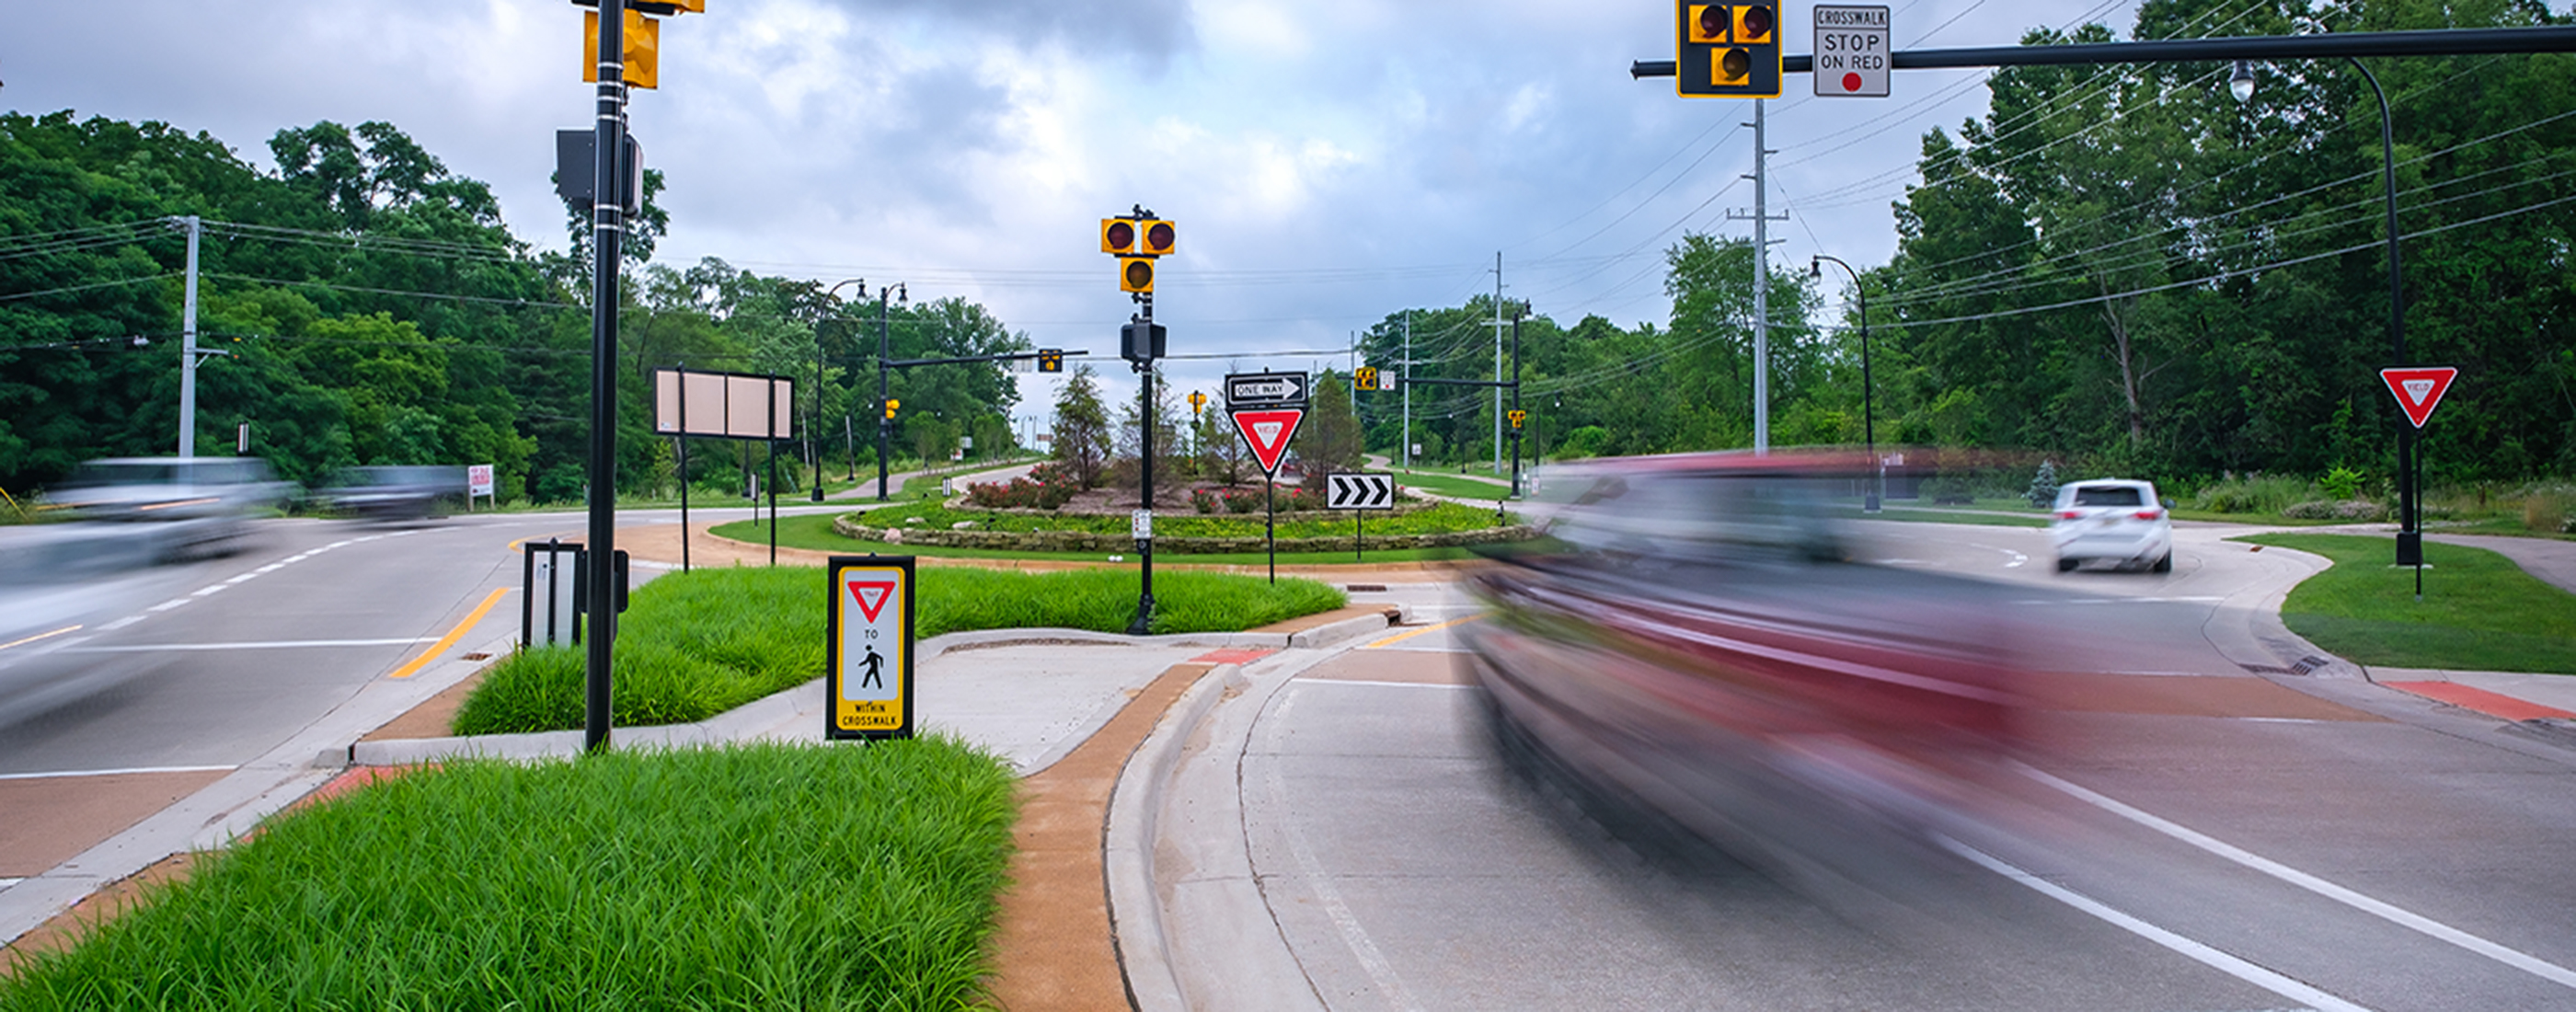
[(766, 876), (814, 533), (1434, 519), (2480, 611), (695, 644), (1458, 485)]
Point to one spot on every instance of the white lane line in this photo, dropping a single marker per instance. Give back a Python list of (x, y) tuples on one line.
[(2205, 954), (1390, 685), (54, 774), (253, 574), (2389, 912), (169, 604), (120, 623), (216, 589), (2017, 559), (270, 568), (1389, 986), (252, 645)]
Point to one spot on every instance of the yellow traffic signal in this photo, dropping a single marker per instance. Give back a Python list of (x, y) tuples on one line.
[(1364, 378), (1726, 50), (1755, 24), (639, 47), (891, 404), (1117, 235), (1050, 360), (1517, 416), (1159, 237), (1136, 274), (1704, 23), (1197, 401)]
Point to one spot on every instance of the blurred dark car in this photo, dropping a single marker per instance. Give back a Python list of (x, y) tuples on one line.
[(394, 492), (1694, 643)]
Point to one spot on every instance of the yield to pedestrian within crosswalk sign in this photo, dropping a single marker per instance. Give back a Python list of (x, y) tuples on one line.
[(869, 681)]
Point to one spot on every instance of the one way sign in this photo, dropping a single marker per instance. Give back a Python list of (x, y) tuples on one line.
[(1356, 491)]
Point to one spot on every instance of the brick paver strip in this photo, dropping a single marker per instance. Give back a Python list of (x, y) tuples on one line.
[(2493, 704), (1053, 950)]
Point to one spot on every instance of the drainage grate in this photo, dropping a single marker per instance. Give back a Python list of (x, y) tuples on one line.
[(2309, 664), (2264, 669)]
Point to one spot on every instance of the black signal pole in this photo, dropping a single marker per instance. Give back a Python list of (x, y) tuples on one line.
[(885, 419), (607, 234)]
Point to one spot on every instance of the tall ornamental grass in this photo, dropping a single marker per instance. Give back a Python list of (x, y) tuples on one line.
[(757, 876)]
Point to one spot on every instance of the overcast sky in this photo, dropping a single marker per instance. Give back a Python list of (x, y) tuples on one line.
[(1328, 161)]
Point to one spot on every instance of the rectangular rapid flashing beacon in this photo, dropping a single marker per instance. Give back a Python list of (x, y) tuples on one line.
[(868, 674)]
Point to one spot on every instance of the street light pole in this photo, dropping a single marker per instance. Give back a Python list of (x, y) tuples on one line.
[(2410, 534), (885, 423), (1868, 419), (813, 448), (607, 239)]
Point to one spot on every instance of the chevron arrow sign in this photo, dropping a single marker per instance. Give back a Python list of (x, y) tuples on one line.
[(1355, 491)]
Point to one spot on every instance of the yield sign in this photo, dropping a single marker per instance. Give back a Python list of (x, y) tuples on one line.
[(871, 595), (1268, 430), (2418, 389)]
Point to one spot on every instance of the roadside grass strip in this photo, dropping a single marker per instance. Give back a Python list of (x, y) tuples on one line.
[(813, 532), (768, 876), (692, 645), (2480, 611)]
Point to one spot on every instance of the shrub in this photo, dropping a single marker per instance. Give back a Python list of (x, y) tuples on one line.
[(1021, 493), (2326, 509), (2043, 486), (2341, 484), (2253, 493)]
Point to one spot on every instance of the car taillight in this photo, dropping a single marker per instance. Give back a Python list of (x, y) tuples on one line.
[(2150, 514), (2070, 514)]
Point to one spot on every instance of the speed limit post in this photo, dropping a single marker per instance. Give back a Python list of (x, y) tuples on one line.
[(868, 677)]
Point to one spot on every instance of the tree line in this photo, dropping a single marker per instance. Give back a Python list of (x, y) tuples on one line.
[(371, 307)]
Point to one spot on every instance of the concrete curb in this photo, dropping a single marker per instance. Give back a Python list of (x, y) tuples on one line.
[(783, 708), (1135, 910)]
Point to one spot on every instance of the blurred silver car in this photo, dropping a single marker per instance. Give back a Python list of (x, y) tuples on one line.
[(172, 507), (170, 488), (2112, 520)]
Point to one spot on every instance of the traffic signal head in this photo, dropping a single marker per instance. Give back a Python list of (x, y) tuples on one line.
[(890, 406), (1117, 235), (1135, 274), (1727, 50), (1364, 378), (639, 49), (1141, 342), (1050, 360), (1159, 237)]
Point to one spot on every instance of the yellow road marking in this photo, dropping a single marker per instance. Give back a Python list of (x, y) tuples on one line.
[(1411, 633), (38, 636), (452, 636)]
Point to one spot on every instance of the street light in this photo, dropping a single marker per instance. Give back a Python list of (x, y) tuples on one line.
[(1868, 422), (813, 449), (2410, 536)]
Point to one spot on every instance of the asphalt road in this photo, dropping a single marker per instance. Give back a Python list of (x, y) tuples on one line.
[(2188, 835)]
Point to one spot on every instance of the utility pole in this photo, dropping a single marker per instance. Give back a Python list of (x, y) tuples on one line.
[(188, 345), (1407, 380), (1761, 286), (1498, 361)]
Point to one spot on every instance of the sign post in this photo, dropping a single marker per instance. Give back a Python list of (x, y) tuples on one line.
[(478, 481), (2418, 390), (1359, 492), (868, 682), (1267, 407)]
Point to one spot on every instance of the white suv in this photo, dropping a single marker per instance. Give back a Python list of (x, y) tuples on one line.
[(2112, 520)]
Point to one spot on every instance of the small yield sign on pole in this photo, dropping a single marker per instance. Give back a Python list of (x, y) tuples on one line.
[(2418, 389), (868, 682)]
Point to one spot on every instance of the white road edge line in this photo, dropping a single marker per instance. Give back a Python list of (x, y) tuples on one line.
[(2207, 955), (110, 773), (1389, 986), (252, 645), (2389, 912)]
